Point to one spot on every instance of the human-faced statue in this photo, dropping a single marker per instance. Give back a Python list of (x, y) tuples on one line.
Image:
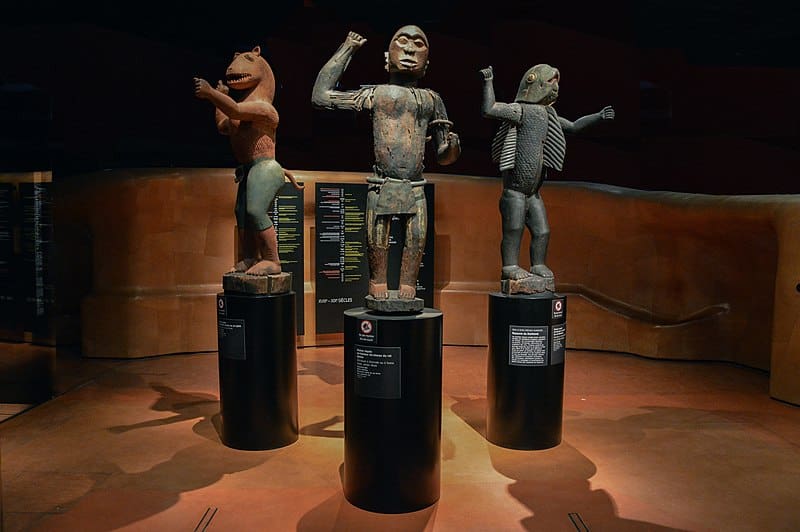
[(539, 85), (408, 52)]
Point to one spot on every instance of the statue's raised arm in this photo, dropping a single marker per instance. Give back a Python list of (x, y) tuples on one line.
[(490, 108), (324, 94)]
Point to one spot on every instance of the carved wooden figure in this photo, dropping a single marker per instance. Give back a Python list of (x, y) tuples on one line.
[(244, 111), (403, 117)]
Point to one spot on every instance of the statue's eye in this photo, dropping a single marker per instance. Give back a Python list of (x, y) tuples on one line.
[(531, 77), (420, 43), (248, 57), (236, 54), (402, 41)]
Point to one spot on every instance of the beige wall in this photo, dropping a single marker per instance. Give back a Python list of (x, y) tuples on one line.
[(664, 275)]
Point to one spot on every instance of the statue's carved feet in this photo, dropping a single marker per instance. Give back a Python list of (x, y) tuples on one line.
[(243, 265), (542, 271), (533, 284), (264, 267), (394, 303), (244, 283), (379, 290), (515, 273), (406, 292)]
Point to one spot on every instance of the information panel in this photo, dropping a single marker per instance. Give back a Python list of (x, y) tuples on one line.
[(287, 216), (37, 248), (527, 345), (378, 371), (8, 292), (341, 265), (231, 338), (558, 343), (342, 272)]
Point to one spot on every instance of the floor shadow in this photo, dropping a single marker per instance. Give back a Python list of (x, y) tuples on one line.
[(158, 488), (329, 373), (321, 430), (337, 514), (472, 411), (186, 406), (552, 483)]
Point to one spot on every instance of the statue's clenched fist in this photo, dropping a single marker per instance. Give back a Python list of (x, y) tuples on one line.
[(607, 113), (201, 88), (452, 140), (487, 73), (355, 40)]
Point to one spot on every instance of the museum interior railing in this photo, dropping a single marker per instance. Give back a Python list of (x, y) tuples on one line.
[(659, 274)]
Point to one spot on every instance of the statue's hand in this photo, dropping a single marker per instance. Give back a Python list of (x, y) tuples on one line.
[(452, 139), (607, 113), (487, 73), (354, 40), (201, 88), (221, 87)]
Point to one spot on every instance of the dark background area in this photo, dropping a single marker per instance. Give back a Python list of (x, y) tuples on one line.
[(705, 91)]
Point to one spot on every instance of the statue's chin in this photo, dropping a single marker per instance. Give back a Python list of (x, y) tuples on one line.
[(413, 73)]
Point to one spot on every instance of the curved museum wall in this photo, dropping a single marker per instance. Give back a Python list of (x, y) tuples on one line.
[(659, 274)]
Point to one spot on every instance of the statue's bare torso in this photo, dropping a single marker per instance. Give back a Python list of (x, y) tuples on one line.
[(400, 117)]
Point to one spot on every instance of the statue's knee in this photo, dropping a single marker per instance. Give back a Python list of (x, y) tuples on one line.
[(259, 221), (513, 228)]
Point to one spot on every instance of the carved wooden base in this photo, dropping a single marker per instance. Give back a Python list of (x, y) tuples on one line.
[(245, 283), (530, 285), (394, 303)]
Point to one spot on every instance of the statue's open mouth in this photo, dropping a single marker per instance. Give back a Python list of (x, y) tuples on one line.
[(237, 77), (410, 63)]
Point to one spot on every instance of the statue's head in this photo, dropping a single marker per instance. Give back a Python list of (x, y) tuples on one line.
[(249, 70), (539, 85), (408, 52)]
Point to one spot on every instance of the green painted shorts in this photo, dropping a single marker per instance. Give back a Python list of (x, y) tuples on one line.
[(257, 189)]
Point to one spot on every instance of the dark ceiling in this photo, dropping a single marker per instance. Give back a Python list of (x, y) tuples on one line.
[(700, 78)]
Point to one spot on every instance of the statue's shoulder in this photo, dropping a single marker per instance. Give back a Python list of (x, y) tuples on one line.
[(435, 96)]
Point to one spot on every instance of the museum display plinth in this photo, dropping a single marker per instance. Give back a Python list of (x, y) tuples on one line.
[(525, 379), (392, 409), (257, 369)]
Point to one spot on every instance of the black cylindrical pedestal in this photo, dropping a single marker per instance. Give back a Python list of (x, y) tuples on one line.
[(257, 370), (525, 384), (392, 409)]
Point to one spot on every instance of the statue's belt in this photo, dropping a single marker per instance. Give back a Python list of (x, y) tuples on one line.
[(242, 170), (396, 196)]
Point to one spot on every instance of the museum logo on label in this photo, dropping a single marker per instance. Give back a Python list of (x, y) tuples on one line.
[(222, 307), (558, 309), (367, 331)]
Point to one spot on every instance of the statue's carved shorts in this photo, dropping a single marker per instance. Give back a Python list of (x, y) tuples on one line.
[(260, 182)]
